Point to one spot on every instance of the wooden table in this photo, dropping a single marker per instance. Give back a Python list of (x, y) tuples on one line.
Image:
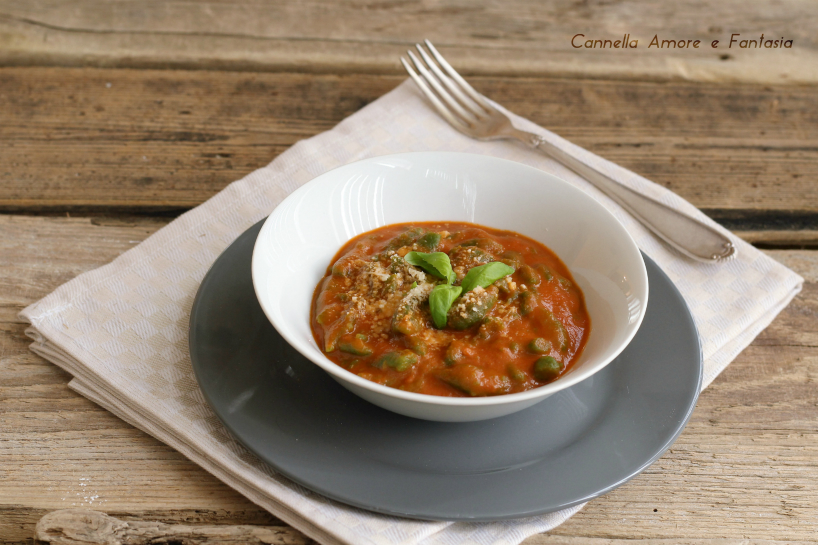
[(117, 117)]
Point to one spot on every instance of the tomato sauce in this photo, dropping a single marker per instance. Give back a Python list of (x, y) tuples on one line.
[(372, 312)]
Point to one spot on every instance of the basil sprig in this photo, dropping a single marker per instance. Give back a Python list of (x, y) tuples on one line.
[(440, 301), (443, 295), (485, 275), (437, 264)]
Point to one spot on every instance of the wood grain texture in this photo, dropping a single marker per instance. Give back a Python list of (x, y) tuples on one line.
[(125, 141), (83, 526), (489, 37), (127, 148), (745, 467)]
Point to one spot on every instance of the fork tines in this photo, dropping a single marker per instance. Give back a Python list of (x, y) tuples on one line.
[(451, 95)]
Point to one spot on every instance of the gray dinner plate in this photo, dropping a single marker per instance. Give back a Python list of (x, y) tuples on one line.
[(573, 446)]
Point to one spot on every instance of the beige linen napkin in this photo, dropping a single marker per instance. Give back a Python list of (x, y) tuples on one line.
[(121, 330)]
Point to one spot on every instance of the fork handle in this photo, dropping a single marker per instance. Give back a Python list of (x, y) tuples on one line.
[(684, 233)]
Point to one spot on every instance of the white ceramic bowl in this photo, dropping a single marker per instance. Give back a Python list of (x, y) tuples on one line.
[(301, 236)]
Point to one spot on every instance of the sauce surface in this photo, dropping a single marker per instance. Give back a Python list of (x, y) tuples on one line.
[(371, 312)]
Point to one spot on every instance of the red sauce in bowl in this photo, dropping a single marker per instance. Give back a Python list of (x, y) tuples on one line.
[(372, 314)]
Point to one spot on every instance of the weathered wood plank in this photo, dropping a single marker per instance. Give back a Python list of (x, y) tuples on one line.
[(83, 526), (80, 526), (17, 523), (515, 37), (804, 263), (744, 467), (39, 254), (136, 141)]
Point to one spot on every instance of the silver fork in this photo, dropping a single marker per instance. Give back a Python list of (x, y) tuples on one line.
[(469, 112)]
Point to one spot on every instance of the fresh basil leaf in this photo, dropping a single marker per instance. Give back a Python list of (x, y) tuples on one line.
[(440, 301), (437, 264), (485, 275)]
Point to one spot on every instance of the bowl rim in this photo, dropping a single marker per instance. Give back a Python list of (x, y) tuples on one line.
[(338, 372)]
